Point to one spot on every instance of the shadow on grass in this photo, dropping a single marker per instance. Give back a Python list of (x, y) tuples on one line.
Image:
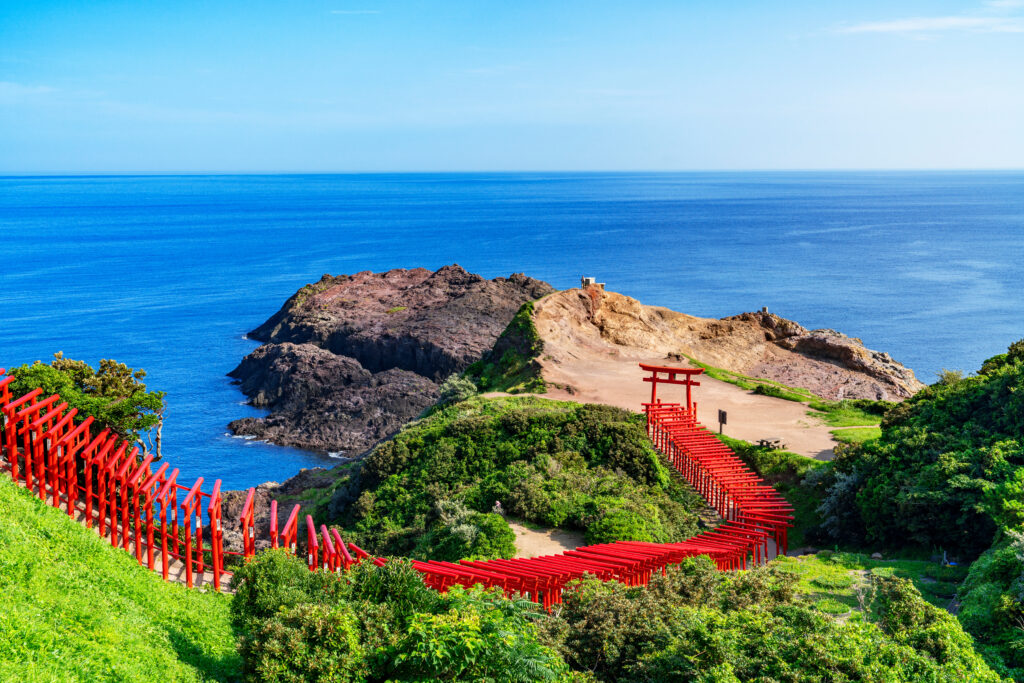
[(225, 669)]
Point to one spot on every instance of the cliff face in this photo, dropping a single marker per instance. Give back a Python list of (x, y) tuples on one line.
[(348, 360), (577, 324)]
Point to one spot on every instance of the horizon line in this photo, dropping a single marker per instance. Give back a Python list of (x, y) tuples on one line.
[(156, 174)]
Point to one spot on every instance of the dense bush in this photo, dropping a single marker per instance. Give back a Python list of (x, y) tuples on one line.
[(697, 624), (948, 474), (948, 469), (113, 395), (381, 623), (557, 464)]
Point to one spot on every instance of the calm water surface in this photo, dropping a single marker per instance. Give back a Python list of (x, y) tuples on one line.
[(168, 273)]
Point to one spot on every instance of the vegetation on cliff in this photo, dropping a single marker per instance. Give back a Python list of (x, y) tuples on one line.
[(76, 609), (429, 492), (511, 366), (114, 395)]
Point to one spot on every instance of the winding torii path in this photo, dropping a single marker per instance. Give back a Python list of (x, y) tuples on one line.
[(101, 480)]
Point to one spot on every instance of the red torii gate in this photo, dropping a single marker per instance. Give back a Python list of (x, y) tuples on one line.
[(655, 379)]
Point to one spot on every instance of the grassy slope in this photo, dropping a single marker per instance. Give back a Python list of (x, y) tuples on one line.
[(511, 365), (76, 609), (834, 577), (856, 413)]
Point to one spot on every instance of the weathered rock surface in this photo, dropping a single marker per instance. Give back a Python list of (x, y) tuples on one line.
[(590, 323), (351, 358)]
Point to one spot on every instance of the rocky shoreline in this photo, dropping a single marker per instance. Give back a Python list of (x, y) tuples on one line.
[(350, 359)]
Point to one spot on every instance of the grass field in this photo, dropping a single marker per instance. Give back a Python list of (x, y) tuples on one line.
[(838, 583), (75, 609), (856, 434)]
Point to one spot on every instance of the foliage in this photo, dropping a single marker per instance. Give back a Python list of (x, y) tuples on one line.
[(77, 609), (480, 636), (274, 582), (557, 464), (114, 395), (456, 389), (382, 622), (461, 533), (947, 473), (947, 459), (698, 624), (308, 642), (511, 365)]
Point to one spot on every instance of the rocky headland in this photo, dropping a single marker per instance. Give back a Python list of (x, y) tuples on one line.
[(350, 359), (591, 324)]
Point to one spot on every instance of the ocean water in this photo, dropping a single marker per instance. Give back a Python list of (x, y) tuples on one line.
[(167, 273)]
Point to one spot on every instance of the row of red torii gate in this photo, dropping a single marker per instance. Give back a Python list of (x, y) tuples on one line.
[(137, 504)]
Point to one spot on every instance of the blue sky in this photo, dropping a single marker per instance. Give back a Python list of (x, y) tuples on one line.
[(373, 85)]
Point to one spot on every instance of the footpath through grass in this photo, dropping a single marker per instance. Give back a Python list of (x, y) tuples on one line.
[(75, 609)]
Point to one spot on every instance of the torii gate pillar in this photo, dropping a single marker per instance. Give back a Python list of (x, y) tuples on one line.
[(664, 374)]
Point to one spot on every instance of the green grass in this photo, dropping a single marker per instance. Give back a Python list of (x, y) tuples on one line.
[(75, 609), (856, 434), (838, 576), (758, 385), (846, 413), (511, 365), (396, 309)]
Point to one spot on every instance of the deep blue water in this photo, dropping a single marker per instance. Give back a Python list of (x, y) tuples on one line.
[(168, 273)]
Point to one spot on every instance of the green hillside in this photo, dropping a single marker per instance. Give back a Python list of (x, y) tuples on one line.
[(75, 609), (429, 491)]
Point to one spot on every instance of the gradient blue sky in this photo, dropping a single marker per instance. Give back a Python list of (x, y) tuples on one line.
[(372, 85)]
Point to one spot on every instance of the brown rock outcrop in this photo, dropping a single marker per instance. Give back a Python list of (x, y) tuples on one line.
[(575, 323), (349, 359)]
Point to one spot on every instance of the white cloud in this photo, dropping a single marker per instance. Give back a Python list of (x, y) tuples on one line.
[(939, 24)]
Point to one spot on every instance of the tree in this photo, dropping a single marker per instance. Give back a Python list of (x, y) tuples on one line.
[(114, 395)]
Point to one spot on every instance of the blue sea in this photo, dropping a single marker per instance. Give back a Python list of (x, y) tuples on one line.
[(167, 273)]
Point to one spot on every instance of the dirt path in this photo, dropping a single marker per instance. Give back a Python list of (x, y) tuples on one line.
[(537, 542)]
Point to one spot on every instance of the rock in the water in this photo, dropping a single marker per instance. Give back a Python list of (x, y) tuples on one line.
[(351, 358)]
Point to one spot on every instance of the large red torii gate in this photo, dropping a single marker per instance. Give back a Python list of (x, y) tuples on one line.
[(655, 379)]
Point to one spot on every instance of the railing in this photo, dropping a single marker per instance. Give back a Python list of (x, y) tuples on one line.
[(97, 474)]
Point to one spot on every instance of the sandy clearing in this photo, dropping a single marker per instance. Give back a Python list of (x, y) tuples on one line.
[(619, 381), (537, 542)]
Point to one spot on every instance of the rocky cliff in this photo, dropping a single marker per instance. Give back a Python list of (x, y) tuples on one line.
[(349, 359), (593, 325)]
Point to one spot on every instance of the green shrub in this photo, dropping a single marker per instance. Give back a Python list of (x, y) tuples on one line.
[(307, 642), (456, 389), (276, 580), (481, 636), (619, 525), (553, 463), (461, 533), (113, 395)]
